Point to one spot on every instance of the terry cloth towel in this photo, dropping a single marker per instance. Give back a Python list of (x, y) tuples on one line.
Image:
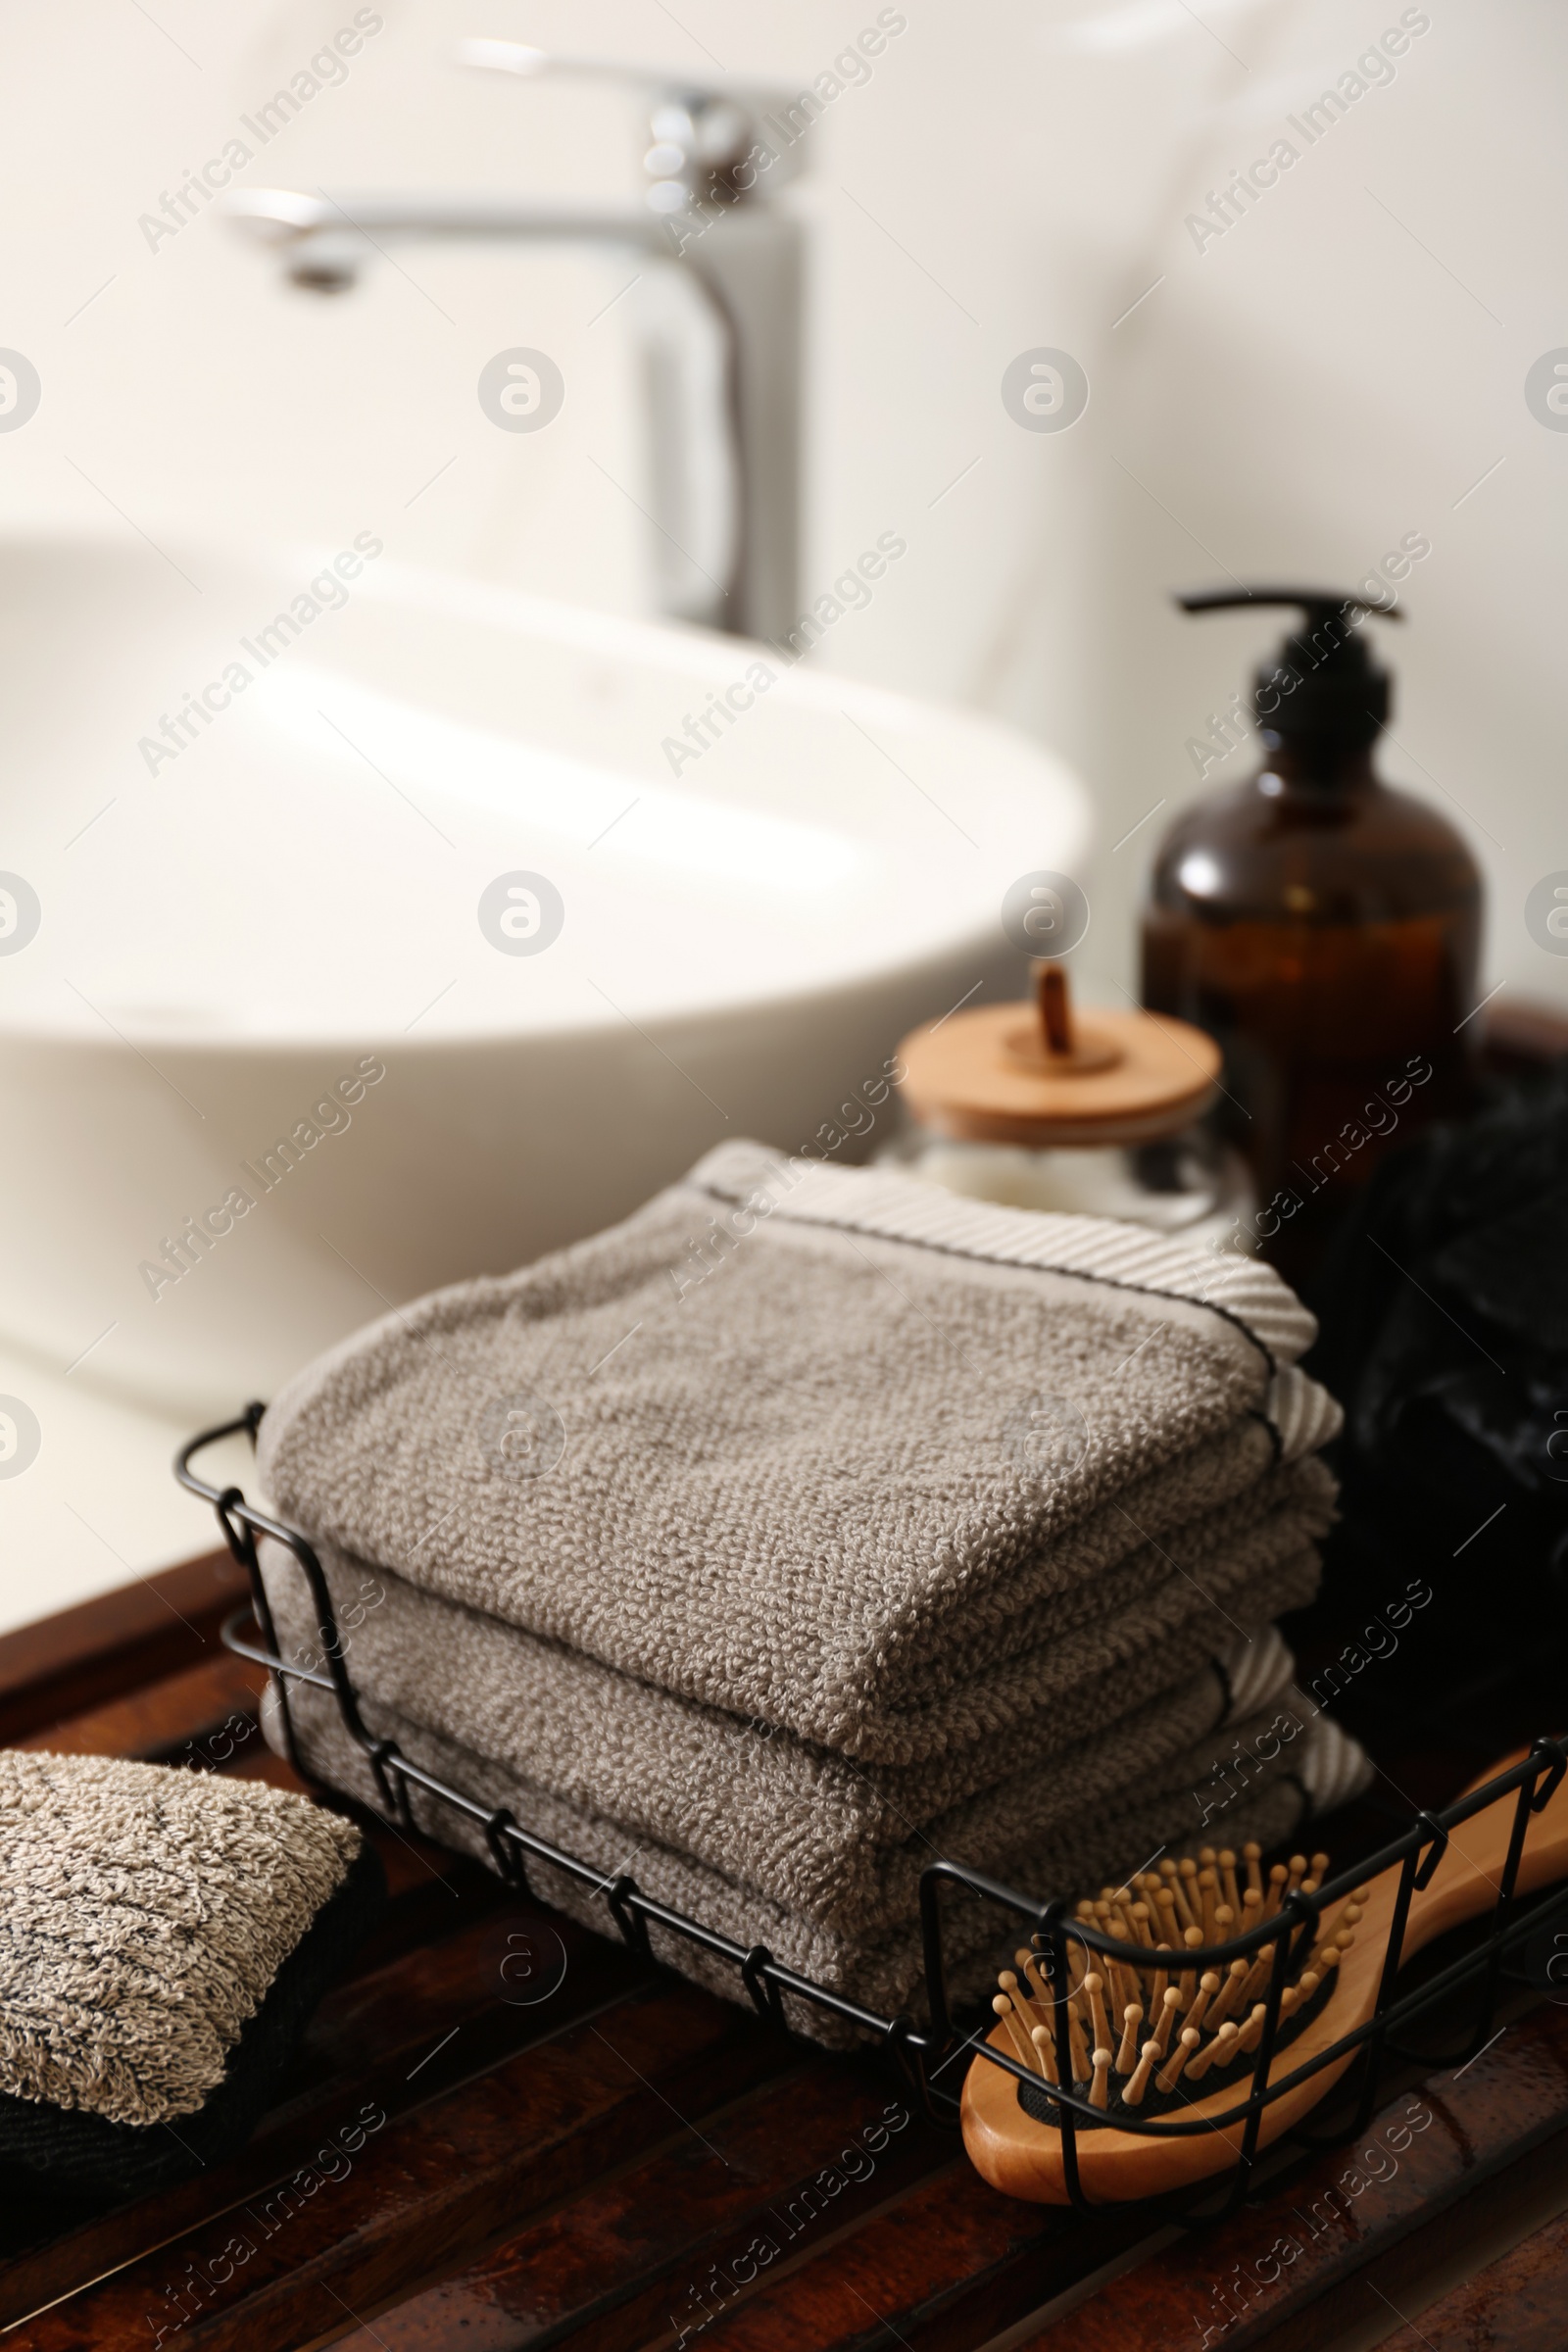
[(818, 1833), (811, 1523), (1319, 1770), (163, 1937), (831, 1483)]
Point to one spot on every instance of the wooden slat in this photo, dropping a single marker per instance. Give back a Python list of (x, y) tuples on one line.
[(1238, 2283), (951, 2262), (647, 2253), (1516, 2304), (425, 2191), (197, 1716), (109, 1646)]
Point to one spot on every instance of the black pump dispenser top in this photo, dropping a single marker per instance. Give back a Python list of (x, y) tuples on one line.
[(1322, 689)]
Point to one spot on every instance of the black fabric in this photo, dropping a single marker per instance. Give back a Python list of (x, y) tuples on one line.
[(87, 2160), (1444, 1308)]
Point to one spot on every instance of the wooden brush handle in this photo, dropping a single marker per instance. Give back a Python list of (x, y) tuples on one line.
[(1469, 1877), (1023, 2158)]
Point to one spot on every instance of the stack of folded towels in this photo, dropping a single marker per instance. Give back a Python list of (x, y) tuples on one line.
[(813, 1524)]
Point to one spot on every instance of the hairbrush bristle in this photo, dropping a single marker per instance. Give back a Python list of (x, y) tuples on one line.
[(1165, 2022), (1132, 2095), (1046, 2050), (1170, 2073), (1230, 1994), (1097, 2012), (1139, 2018), (1021, 2049), (1207, 1986), (1189, 1977), (1127, 2055), (1251, 2034), (1199, 2066)]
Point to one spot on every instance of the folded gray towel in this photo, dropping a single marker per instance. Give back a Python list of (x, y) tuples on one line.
[(802, 1826), (807, 1525), (804, 1484), (883, 1971)]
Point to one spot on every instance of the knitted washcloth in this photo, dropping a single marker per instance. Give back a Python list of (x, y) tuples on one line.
[(830, 1482), (163, 1935)]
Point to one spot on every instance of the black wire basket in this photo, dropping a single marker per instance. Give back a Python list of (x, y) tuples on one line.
[(930, 2048)]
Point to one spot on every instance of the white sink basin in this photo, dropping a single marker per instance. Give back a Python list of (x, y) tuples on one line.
[(293, 899)]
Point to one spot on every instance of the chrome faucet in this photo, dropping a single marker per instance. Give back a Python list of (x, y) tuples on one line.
[(725, 428)]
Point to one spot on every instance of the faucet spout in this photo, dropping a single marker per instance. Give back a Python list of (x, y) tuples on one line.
[(724, 452), (344, 234)]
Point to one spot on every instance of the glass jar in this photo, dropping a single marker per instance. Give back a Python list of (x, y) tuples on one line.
[(1101, 1114)]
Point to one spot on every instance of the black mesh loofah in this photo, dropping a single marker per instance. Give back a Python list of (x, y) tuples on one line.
[(1444, 1334)]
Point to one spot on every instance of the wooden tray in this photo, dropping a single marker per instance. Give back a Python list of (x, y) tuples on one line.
[(629, 2162)]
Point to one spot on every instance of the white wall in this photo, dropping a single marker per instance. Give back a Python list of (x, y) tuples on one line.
[(1345, 367)]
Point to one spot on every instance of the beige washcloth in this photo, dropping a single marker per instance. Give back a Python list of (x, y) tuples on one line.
[(144, 1914)]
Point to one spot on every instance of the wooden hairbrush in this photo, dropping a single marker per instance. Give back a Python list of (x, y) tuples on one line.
[(1151, 2037)]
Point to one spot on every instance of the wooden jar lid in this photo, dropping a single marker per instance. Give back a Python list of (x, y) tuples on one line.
[(1040, 1073)]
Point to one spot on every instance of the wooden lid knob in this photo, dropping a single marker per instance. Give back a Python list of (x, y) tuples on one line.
[(1044, 1073)]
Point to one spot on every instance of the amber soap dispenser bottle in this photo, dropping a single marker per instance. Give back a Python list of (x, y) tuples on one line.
[(1323, 927)]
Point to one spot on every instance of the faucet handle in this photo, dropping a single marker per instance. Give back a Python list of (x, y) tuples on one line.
[(703, 130), (517, 57)]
